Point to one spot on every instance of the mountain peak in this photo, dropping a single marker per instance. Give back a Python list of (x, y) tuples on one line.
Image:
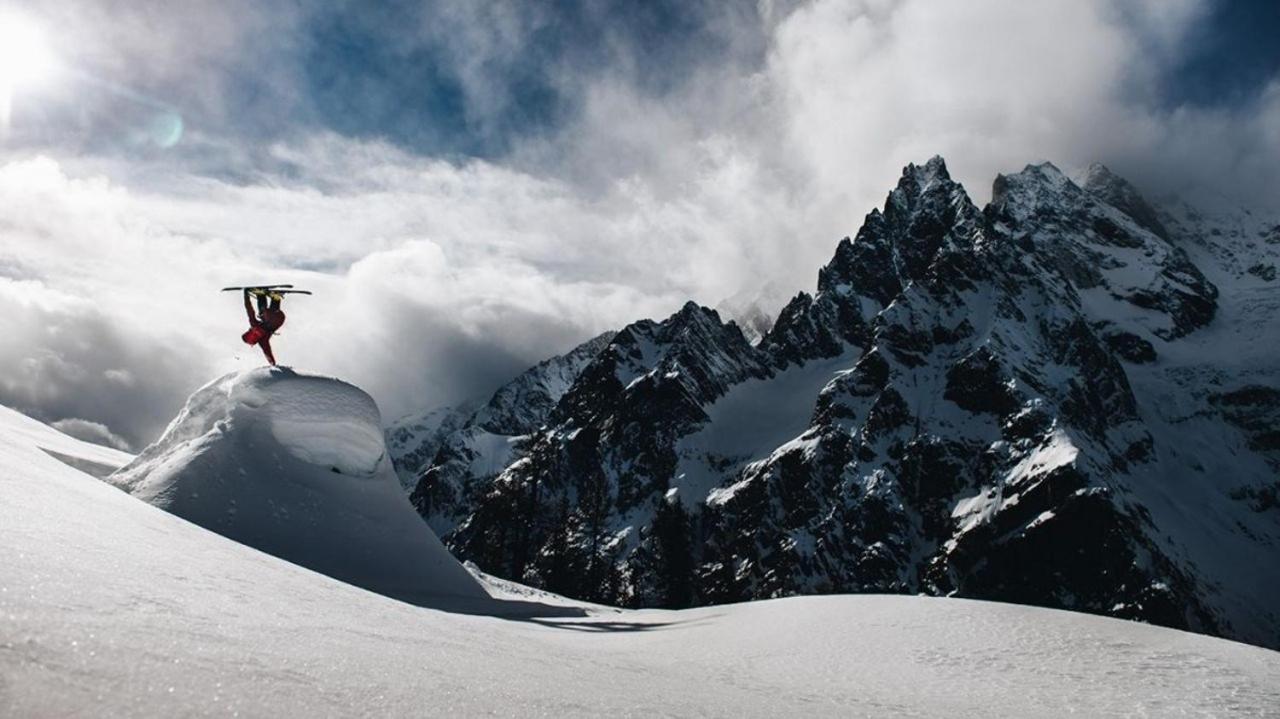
[(1045, 173), (691, 315), (754, 308), (924, 213), (1030, 186), (935, 168), (1100, 181), (1099, 174), (925, 192), (929, 179), (1118, 192), (692, 309), (643, 345)]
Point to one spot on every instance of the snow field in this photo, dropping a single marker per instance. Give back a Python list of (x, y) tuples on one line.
[(111, 607)]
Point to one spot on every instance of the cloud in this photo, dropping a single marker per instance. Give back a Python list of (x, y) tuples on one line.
[(433, 282), (94, 432), (732, 156), (866, 87), (64, 360), (227, 67)]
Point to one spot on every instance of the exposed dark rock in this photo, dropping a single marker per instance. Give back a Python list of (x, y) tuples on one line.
[(1118, 193), (976, 383), (1131, 347), (1255, 409), (1263, 271)]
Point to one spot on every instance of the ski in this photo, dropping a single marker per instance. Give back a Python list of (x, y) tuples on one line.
[(256, 287)]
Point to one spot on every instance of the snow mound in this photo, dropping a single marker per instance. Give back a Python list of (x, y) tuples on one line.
[(296, 466)]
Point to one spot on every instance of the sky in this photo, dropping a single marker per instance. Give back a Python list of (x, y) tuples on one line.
[(471, 187)]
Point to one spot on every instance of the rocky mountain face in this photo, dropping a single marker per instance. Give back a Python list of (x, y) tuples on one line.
[(1069, 398), (413, 441), (465, 447)]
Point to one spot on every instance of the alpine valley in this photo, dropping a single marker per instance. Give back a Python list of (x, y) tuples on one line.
[(1068, 398)]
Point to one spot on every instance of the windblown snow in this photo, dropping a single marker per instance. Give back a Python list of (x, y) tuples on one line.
[(296, 466), (111, 607), (85, 456)]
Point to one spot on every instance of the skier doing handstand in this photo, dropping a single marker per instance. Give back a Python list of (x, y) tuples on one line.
[(269, 319)]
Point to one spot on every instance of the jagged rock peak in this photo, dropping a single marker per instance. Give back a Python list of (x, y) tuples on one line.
[(692, 319), (930, 180), (1044, 175), (1044, 183), (1020, 193), (1099, 176), (692, 311), (754, 308), (1118, 192), (927, 191), (935, 169), (692, 335), (926, 212)]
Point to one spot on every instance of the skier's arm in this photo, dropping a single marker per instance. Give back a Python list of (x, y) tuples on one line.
[(248, 308)]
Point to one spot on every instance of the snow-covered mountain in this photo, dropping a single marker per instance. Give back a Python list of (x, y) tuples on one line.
[(1066, 398), (414, 440), (754, 309), (295, 465), (464, 447), (112, 607)]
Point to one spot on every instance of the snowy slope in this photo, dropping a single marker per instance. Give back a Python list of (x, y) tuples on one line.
[(296, 465), (111, 607)]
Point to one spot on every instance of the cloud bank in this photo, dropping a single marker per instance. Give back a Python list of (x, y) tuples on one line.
[(571, 174)]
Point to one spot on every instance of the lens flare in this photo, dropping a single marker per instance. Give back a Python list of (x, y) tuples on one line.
[(166, 129)]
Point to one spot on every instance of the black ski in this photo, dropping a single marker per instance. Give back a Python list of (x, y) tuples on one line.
[(256, 287)]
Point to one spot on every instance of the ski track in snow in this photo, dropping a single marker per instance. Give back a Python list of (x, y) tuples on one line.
[(112, 607)]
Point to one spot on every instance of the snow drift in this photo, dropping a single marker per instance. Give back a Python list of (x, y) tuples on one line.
[(296, 466)]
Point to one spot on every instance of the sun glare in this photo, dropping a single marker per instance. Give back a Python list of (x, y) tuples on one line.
[(25, 61), (25, 58)]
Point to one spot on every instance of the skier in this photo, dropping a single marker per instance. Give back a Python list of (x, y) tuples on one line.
[(269, 319)]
